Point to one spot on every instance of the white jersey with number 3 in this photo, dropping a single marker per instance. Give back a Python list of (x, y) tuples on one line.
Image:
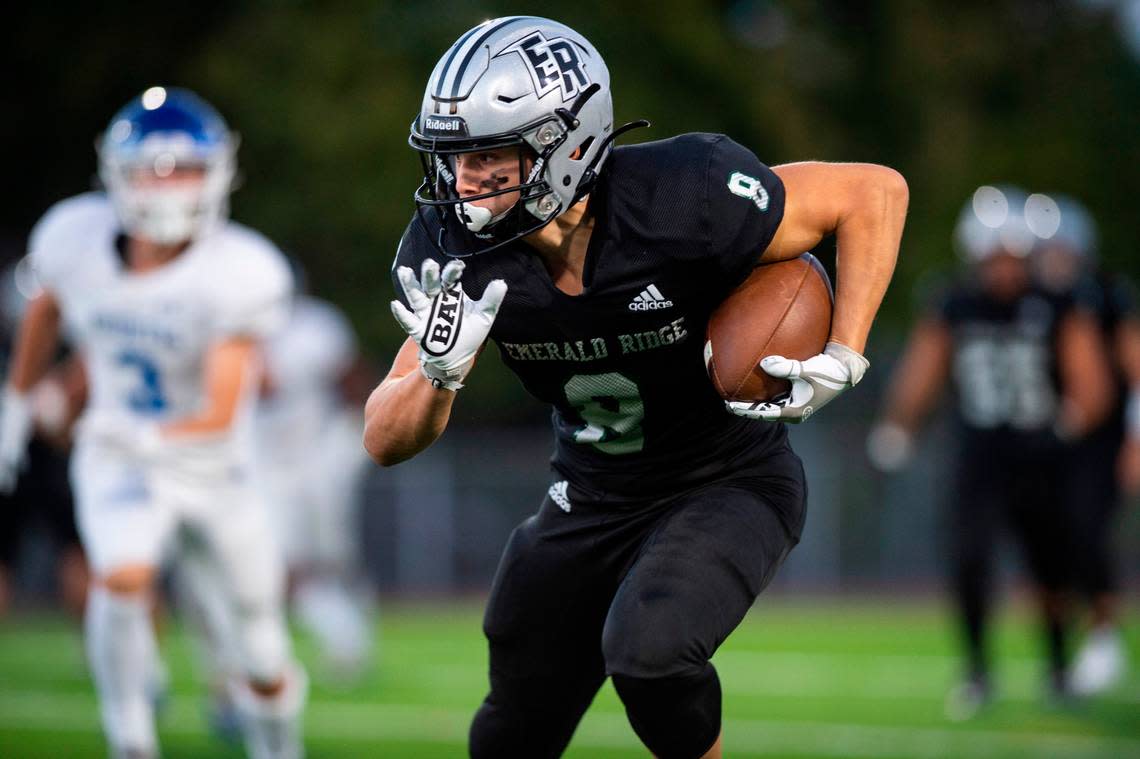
[(145, 336)]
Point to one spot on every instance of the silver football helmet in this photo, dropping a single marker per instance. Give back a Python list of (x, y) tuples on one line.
[(1060, 220), (515, 81), (993, 221), (1066, 240)]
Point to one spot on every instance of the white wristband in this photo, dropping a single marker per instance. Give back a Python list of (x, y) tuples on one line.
[(856, 363), (437, 382)]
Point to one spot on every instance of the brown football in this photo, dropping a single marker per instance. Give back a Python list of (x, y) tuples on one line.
[(782, 309)]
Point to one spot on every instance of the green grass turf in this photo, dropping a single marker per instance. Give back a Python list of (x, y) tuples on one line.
[(811, 678)]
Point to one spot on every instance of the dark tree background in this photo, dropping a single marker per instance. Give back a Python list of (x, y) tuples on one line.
[(1038, 93)]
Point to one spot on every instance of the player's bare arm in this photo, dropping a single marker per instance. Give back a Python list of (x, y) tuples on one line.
[(231, 371), (917, 384), (36, 343), (448, 329), (1086, 376), (864, 205), (404, 414), (1127, 351), (231, 366), (912, 393)]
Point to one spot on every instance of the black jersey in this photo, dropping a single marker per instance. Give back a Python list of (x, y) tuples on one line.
[(1005, 368), (1112, 299), (678, 224)]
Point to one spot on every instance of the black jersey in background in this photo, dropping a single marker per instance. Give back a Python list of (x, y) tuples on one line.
[(1112, 299), (1092, 491), (1004, 369), (678, 224)]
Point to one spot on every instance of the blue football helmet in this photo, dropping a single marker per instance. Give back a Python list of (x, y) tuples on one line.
[(167, 161)]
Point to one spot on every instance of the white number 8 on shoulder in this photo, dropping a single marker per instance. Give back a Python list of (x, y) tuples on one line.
[(748, 187)]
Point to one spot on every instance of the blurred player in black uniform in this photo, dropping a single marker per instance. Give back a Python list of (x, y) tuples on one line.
[(595, 273), (1030, 375), (1109, 458), (34, 489)]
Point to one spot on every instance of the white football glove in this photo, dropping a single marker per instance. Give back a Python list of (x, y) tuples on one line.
[(448, 326), (15, 431), (814, 383)]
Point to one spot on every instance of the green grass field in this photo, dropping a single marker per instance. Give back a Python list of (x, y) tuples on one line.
[(806, 679)]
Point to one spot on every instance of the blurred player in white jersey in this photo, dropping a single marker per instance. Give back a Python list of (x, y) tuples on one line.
[(168, 302), (310, 464), (311, 461)]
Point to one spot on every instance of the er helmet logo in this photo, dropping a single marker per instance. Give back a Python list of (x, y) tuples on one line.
[(552, 64)]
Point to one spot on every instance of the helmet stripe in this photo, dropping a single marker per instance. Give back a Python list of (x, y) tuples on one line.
[(450, 58), (474, 47)]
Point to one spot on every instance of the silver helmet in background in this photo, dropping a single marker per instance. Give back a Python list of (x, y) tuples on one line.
[(1063, 221), (993, 221), (1066, 240)]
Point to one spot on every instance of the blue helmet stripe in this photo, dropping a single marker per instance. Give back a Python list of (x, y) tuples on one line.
[(174, 119)]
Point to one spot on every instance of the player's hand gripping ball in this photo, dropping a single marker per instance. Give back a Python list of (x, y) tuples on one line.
[(766, 348), (449, 327), (815, 383)]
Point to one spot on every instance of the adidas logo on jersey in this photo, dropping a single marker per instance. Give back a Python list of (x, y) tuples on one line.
[(650, 299), (559, 495)]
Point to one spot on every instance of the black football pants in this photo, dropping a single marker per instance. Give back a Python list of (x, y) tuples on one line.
[(1025, 499), (1092, 500), (644, 591)]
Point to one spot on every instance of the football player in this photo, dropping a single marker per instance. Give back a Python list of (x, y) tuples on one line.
[(1029, 374), (595, 269), (1109, 458), (167, 301), (310, 461)]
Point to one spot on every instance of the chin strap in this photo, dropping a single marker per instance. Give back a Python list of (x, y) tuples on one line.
[(589, 176)]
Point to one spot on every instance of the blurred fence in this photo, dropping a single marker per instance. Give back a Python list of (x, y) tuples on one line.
[(437, 523)]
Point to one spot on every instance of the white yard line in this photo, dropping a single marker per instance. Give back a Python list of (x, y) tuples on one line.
[(871, 677), (56, 712), (800, 675), (878, 676)]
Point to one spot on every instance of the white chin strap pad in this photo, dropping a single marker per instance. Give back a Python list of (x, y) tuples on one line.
[(473, 217)]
